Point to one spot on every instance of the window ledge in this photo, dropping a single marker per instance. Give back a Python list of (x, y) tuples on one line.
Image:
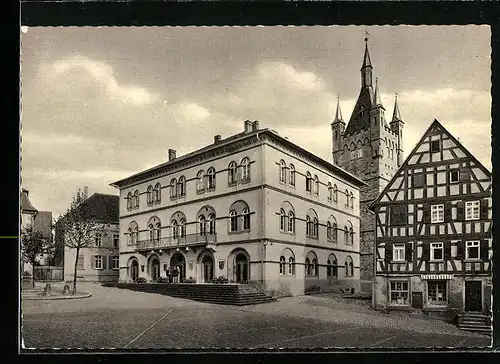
[(231, 184), (245, 181), (210, 189)]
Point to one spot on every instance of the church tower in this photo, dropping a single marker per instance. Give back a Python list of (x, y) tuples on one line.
[(370, 149)]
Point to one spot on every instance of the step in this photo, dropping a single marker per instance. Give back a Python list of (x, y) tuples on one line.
[(473, 314)]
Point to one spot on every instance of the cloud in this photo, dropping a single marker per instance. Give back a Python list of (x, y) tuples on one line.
[(288, 76)]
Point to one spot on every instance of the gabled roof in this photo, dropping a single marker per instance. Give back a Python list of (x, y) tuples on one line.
[(436, 125), (360, 117), (26, 206), (102, 207)]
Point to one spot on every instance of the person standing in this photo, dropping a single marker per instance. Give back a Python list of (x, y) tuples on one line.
[(178, 273)]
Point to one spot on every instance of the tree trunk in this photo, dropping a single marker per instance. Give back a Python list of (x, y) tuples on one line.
[(74, 272)]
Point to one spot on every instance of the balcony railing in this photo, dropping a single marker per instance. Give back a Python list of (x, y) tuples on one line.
[(180, 241)]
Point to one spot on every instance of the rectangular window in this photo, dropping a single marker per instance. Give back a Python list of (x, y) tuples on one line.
[(454, 176), (399, 293), (435, 146), (472, 250), (398, 252), (436, 251), (398, 215), (472, 210), (436, 293), (116, 240), (360, 153), (437, 213), (418, 180), (98, 239), (115, 262), (98, 262)]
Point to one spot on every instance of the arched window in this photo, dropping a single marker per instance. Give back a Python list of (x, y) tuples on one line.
[(315, 228), (246, 219), (282, 171), (158, 231), (200, 181), (182, 226), (312, 264), (173, 188), (315, 267), (308, 267), (152, 232), (291, 222), (202, 225), (351, 234), (175, 229), (308, 226), (283, 217), (211, 222), (349, 267), (181, 186), (150, 195), (308, 182), (129, 201), (136, 199), (233, 225), (133, 232), (328, 268), (210, 178), (245, 170), (335, 193), (331, 266), (316, 185), (346, 198), (330, 191), (292, 175), (329, 230), (154, 227), (231, 173), (346, 235), (282, 265), (157, 192), (352, 200), (291, 265)]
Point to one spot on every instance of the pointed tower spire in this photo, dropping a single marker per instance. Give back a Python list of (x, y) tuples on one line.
[(376, 100), (396, 115), (366, 68), (338, 113)]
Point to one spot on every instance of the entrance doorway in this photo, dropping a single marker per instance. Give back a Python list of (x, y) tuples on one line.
[(155, 269), (178, 260), (473, 296), (208, 268), (134, 270), (242, 268)]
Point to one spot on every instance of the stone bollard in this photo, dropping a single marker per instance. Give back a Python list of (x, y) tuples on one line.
[(66, 289)]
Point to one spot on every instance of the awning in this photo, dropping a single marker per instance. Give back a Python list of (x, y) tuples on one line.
[(436, 276)]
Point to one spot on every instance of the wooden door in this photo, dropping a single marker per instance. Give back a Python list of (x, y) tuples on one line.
[(473, 296)]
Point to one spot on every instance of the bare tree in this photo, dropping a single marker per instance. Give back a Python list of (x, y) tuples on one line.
[(34, 246), (79, 226)]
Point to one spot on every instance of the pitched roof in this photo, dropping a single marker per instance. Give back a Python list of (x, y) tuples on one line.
[(436, 125), (102, 207), (26, 206), (360, 117), (234, 138), (396, 115)]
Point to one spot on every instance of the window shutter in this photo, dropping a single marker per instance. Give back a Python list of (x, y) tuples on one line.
[(408, 252), (103, 261), (484, 209), (447, 250), (427, 213), (484, 248), (92, 261), (460, 250), (447, 212), (425, 251), (388, 252), (461, 211), (110, 265)]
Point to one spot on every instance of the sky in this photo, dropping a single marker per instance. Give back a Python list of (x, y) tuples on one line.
[(101, 103)]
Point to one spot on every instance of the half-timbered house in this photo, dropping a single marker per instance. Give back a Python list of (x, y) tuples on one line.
[(433, 231)]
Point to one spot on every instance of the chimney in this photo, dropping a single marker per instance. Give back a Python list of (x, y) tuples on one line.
[(85, 192), (171, 154), (255, 125), (248, 126), (217, 138)]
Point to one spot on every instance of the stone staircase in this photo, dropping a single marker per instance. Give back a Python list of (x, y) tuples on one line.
[(475, 322), (223, 294)]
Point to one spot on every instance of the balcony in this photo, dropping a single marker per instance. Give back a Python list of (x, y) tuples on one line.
[(177, 242)]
